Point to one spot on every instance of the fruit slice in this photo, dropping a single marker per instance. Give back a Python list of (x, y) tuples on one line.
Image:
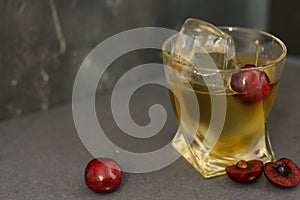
[(245, 172), (253, 85), (284, 173), (102, 175)]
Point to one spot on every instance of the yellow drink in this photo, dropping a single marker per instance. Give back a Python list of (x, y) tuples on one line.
[(243, 134)]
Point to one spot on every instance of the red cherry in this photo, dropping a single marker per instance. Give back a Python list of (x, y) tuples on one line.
[(284, 173), (245, 171), (248, 66), (102, 175), (253, 85)]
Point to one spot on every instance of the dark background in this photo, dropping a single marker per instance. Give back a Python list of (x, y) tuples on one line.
[(43, 42)]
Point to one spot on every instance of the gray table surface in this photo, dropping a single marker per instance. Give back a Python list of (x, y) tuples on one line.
[(42, 157)]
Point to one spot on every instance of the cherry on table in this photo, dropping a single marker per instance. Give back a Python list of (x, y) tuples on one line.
[(284, 173), (245, 171), (102, 175)]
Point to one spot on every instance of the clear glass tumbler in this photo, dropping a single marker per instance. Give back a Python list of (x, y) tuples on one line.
[(248, 92)]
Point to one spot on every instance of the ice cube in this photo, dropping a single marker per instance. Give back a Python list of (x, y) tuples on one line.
[(199, 43)]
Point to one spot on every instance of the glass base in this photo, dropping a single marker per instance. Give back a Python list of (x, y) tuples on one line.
[(211, 165)]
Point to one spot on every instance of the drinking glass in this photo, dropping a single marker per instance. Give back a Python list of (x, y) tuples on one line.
[(231, 123)]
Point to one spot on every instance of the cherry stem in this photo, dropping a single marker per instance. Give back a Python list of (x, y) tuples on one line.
[(256, 42)]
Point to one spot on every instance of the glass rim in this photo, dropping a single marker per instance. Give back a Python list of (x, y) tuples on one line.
[(233, 28)]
